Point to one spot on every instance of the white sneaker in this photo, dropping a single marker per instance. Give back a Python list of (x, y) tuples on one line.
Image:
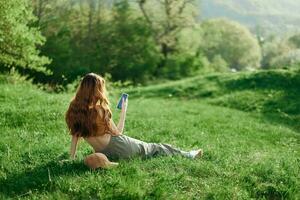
[(196, 153)]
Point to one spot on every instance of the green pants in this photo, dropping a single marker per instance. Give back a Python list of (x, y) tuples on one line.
[(124, 147)]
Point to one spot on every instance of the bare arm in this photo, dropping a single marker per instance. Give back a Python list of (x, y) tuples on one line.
[(74, 142), (118, 130), (115, 131), (121, 123)]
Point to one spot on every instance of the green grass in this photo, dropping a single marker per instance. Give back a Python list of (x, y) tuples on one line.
[(247, 155), (274, 95)]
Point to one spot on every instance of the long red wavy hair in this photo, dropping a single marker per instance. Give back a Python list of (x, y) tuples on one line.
[(89, 113)]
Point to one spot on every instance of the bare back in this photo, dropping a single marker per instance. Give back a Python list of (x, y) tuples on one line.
[(98, 142)]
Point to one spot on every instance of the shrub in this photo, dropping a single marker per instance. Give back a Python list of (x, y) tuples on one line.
[(232, 42)]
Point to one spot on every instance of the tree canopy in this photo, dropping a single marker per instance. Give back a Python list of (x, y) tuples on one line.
[(18, 39), (230, 41)]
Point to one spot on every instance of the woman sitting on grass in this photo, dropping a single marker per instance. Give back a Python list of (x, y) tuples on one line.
[(90, 117)]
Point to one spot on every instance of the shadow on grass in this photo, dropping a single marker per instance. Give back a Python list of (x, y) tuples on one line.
[(40, 178), (280, 109), (280, 80), (284, 110)]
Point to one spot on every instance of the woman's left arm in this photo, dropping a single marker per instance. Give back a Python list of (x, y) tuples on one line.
[(73, 146)]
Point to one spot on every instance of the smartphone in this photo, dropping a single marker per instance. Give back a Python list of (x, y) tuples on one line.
[(124, 96)]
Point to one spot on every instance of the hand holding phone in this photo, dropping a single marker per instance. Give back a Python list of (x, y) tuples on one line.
[(124, 105), (122, 101)]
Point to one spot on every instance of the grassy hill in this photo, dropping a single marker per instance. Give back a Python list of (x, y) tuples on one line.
[(272, 94), (247, 155), (272, 15)]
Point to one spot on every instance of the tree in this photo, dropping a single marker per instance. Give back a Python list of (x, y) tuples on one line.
[(232, 41), (281, 52), (167, 18), (275, 49), (18, 40), (69, 27), (287, 60), (125, 47), (295, 40)]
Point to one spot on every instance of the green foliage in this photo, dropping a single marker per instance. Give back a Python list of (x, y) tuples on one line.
[(289, 59), (171, 22), (281, 52), (58, 47), (117, 39), (13, 77), (133, 41), (127, 50), (18, 40), (137, 41), (218, 64), (231, 42), (295, 40), (65, 30), (272, 49), (167, 20), (181, 65), (92, 37)]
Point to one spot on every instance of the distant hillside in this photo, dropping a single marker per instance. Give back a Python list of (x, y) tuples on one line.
[(273, 16)]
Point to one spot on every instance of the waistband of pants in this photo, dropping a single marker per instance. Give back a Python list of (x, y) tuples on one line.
[(112, 140)]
